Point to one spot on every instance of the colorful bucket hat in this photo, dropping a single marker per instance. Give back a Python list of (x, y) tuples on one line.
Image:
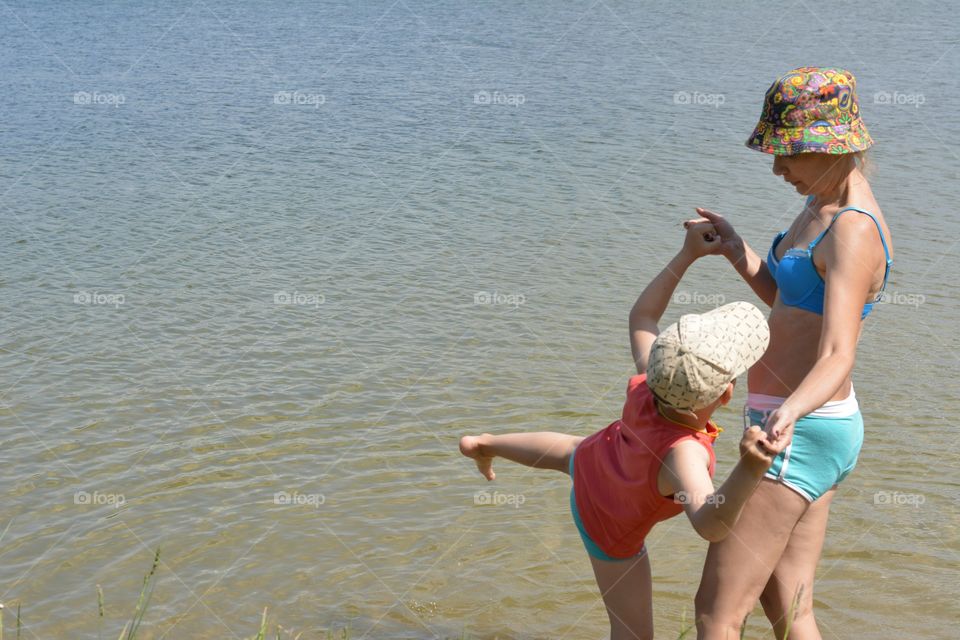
[(811, 110)]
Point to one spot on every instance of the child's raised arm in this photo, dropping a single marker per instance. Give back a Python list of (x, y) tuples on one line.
[(713, 512), (700, 240)]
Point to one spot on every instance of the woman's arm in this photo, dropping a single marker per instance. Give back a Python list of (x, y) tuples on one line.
[(748, 264), (851, 254), (650, 305), (753, 270)]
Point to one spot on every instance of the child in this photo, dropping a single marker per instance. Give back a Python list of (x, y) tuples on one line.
[(657, 459)]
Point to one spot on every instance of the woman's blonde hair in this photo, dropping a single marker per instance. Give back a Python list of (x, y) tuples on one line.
[(864, 162)]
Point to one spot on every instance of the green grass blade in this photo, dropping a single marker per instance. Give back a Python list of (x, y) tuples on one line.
[(145, 592), (791, 614), (262, 634), (99, 613)]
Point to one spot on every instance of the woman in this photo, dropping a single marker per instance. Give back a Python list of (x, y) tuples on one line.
[(820, 278)]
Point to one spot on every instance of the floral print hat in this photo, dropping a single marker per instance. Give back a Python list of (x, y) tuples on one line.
[(811, 109)]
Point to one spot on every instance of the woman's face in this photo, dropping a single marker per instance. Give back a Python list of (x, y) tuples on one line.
[(809, 173)]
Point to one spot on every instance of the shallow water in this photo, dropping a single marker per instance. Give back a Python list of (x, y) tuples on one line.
[(222, 159)]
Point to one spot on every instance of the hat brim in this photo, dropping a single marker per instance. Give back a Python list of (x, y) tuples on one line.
[(818, 137), (733, 317)]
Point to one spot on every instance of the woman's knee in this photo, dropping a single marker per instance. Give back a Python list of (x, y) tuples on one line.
[(710, 628), (713, 616)]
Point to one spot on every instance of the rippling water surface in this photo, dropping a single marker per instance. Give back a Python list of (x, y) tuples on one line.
[(246, 251)]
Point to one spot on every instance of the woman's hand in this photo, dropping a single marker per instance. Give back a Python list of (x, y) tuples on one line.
[(730, 244), (780, 424), (701, 240)]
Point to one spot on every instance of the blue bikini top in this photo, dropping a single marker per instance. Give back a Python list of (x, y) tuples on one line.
[(798, 280)]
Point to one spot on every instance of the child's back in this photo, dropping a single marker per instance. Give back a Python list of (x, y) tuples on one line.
[(615, 472)]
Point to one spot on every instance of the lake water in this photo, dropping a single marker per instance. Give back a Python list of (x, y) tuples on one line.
[(264, 263)]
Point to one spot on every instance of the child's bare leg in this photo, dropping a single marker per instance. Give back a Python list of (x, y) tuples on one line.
[(542, 449), (627, 590)]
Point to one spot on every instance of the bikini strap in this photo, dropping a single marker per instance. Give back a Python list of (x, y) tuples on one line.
[(883, 240)]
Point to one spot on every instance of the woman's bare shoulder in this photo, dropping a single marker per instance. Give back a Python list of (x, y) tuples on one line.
[(862, 224)]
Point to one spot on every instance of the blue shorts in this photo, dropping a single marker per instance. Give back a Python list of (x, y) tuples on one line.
[(822, 453), (592, 548)]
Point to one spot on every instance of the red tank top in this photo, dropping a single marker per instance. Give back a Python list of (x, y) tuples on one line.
[(615, 472)]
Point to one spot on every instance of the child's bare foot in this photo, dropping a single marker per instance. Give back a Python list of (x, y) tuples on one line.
[(470, 447)]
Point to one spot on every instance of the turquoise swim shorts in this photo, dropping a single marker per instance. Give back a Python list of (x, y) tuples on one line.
[(592, 549), (823, 452)]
